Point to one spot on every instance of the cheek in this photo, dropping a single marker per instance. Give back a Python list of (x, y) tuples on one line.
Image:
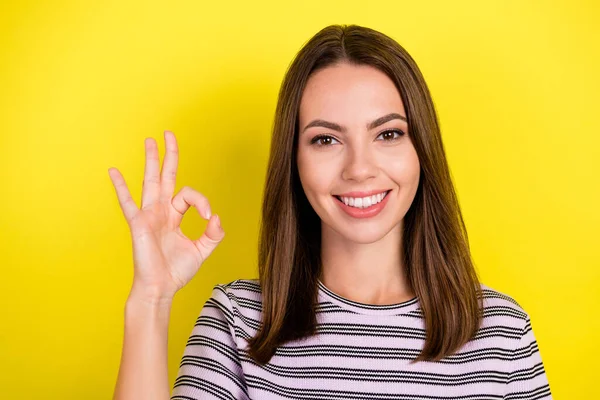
[(405, 169), (315, 176), (315, 180)]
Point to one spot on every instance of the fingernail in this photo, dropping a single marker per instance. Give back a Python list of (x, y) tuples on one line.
[(218, 220), (207, 214)]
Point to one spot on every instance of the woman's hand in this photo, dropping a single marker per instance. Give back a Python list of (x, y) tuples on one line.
[(164, 258)]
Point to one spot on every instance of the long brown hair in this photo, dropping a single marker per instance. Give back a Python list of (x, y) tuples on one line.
[(435, 243)]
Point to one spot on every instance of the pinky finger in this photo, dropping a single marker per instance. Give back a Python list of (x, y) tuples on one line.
[(126, 202)]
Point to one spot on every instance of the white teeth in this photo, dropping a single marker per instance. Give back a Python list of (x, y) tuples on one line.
[(363, 202)]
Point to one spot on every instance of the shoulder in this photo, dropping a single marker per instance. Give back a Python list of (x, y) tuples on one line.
[(495, 297), (239, 289), (500, 308), (242, 284), (240, 298)]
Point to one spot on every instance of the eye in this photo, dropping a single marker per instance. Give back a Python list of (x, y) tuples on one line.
[(391, 137), (320, 140)]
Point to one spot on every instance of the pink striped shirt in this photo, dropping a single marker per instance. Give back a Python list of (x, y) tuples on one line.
[(361, 351)]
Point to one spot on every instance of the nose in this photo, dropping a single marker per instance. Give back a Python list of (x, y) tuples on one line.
[(359, 164)]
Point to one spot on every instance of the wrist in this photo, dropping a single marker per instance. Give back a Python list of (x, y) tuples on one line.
[(145, 313), (149, 296)]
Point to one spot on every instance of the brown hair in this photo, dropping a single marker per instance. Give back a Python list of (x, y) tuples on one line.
[(435, 243)]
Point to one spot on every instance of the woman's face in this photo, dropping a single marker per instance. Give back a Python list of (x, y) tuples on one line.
[(366, 148)]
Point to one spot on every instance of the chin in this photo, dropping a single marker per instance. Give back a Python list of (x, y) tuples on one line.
[(370, 233)]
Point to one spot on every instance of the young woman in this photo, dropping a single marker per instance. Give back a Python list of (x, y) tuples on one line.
[(367, 289)]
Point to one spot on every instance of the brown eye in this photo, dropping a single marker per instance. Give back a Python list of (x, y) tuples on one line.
[(320, 140), (390, 135)]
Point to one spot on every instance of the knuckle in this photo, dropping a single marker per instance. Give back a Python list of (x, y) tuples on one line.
[(152, 179), (170, 175), (172, 150)]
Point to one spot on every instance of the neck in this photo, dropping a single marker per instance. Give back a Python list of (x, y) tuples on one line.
[(370, 273)]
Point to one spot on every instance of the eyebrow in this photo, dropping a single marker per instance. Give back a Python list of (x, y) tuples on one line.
[(370, 125)]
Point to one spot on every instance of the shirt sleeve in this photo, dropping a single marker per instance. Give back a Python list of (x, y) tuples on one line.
[(210, 367), (527, 379)]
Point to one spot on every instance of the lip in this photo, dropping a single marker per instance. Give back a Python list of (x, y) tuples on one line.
[(363, 212), (363, 194)]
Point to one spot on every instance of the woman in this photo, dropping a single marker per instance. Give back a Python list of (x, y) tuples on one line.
[(367, 288)]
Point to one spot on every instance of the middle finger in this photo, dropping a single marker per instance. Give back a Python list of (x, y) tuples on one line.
[(169, 168), (151, 186)]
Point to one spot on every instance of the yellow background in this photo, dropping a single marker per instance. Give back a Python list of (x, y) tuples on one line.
[(82, 84)]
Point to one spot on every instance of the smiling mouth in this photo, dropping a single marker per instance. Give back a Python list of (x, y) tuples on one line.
[(386, 193)]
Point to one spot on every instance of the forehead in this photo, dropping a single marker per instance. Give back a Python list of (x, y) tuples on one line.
[(347, 92)]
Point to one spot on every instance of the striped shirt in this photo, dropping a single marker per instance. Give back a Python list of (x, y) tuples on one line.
[(361, 351)]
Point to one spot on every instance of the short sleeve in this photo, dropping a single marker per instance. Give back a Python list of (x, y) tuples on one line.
[(527, 378), (210, 367)]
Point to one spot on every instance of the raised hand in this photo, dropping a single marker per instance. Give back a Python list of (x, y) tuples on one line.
[(165, 259)]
